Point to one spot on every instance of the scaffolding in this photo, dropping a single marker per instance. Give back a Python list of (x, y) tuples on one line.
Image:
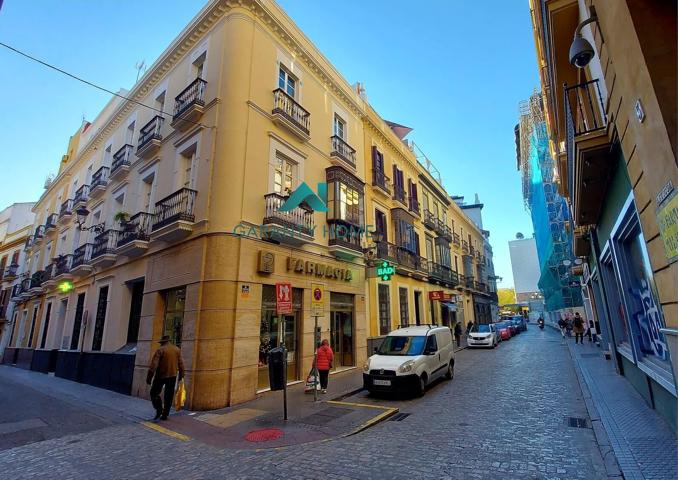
[(549, 212)]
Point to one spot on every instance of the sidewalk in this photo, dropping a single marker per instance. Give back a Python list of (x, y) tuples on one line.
[(644, 445)]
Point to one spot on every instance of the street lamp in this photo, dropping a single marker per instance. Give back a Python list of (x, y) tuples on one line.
[(371, 252), (82, 214)]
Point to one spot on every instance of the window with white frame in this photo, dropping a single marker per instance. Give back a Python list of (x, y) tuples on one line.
[(199, 65), (339, 127), (287, 82), (187, 159), (129, 133), (107, 156), (147, 192), (160, 102), (284, 176)]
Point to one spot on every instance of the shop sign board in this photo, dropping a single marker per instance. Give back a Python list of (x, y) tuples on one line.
[(317, 299), (283, 298), (667, 219), (436, 295)]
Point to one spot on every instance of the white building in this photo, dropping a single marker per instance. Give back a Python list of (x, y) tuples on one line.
[(525, 266)]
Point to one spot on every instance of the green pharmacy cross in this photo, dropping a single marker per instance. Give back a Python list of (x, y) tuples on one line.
[(385, 271), (65, 286)]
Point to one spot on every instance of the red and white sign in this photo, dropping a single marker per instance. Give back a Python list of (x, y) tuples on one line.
[(436, 295), (283, 298)]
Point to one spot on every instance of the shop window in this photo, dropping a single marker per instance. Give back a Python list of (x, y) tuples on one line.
[(173, 324), (643, 311), (384, 309), (404, 308), (271, 333), (100, 319)]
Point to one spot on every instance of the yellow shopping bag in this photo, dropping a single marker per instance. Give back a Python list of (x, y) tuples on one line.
[(180, 396)]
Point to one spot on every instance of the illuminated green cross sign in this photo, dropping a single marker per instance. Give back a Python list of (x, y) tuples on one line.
[(65, 286), (385, 270)]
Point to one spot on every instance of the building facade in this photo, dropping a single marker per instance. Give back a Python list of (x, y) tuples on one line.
[(611, 120), (16, 222), (550, 216), (240, 176), (525, 268)]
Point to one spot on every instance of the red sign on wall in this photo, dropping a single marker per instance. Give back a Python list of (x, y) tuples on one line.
[(436, 295), (283, 298)]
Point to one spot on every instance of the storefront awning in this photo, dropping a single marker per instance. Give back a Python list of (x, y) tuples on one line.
[(452, 307)]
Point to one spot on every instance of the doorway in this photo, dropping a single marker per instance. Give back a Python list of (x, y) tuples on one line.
[(417, 307), (341, 329), (137, 289)]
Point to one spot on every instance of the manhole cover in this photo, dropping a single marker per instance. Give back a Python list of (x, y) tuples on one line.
[(576, 422), (264, 435)]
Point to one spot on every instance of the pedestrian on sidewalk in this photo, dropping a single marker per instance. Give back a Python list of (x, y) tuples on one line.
[(578, 327), (324, 359), (561, 325), (457, 334), (166, 368), (568, 326)]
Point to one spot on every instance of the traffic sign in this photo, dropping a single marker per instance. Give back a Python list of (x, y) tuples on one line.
[(283, 298), (317, 299)]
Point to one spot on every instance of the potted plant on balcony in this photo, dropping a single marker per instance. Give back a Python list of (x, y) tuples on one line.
[(123, 219)]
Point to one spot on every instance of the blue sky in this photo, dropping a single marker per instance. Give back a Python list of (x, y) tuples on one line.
[(454, 70)]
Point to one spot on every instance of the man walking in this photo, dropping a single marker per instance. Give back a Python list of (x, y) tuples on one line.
[(166, 367), (578, 324), (561, 325), (457, 334)]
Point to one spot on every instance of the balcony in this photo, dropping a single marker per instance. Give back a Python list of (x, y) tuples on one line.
[(189, 105), (11, 272), (66, 211), (442, 274), (81, 260), (379, 179), (412, 263), (413, 205), (430, 220), (464, 246), (587, 150), (51, 222), (294, 227), (39, 234), (150, 138), (289, 114), (99, 183), (468, 283), (456, 239), (81, 196), (443, 230), (173, 216), (122, 162), (103, 251), (62, 267), (28, 244), (472, 250), (345, 239), (480, 287), (342, 153), (17, 290), (135, 234), (399, 194), (36, 280), (21, 291), (387, 251), (49, 281)]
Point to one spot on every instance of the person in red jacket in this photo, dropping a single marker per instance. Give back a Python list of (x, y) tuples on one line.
[(324, 363)]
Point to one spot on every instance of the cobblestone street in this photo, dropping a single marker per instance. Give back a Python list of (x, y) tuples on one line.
[(503, 416)]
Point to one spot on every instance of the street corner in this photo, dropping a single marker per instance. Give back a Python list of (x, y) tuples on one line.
[(253, 429)]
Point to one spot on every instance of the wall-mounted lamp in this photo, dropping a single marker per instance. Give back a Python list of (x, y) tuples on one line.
[(82, 214), (581, 50)]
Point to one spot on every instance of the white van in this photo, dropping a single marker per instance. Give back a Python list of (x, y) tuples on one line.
[(409, 359)]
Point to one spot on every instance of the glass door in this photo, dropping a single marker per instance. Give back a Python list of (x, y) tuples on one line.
[(341, 329)]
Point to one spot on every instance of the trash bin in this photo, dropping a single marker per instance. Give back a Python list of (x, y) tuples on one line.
[(276, 368)]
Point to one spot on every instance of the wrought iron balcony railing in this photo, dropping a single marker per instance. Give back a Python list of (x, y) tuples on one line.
[(11, 271), (100, 178), (51, 221), (413, 204), (175, 207), (379, 179), (399, 194), (286, 106), (343, 150), (122, 158), (105, 243), (81, 195), (138, 227), (194, 94), (150, 131), (82, 255), (39, 233), (62, 264), (298, 219), (66, 208)]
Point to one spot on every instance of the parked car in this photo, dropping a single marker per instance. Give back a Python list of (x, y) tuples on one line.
[(513, 328), (503, 330), (482, 335), (409, 359)]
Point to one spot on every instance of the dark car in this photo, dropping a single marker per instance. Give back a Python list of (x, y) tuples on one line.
[(520, 322)]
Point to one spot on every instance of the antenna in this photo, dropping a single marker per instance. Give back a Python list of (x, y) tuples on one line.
[(139, 66)]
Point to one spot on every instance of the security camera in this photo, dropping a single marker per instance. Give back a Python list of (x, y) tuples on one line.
[(581, 52)]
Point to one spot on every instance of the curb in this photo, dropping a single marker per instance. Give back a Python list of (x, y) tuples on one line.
[(612, 468), (388, 412)]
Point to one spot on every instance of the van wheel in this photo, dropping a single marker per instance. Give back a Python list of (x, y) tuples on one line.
[(450, 371), (421, 387)]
